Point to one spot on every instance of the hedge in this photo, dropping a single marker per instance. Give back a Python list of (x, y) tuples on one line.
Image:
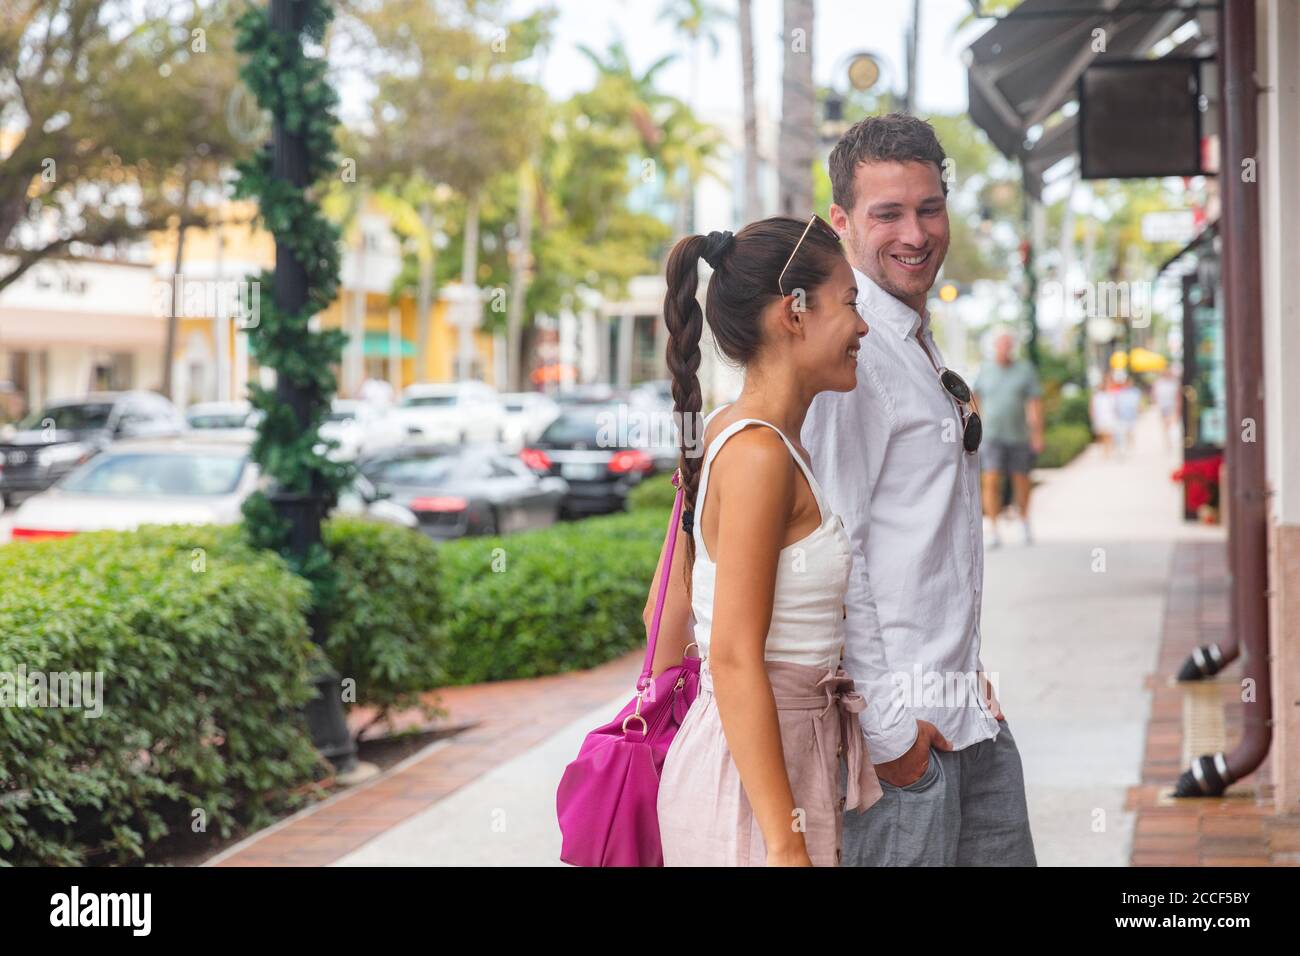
[(204, 654), (384, 630), (562, 598), (1062, 444), (654, 492), (203, 646), (191, 628)]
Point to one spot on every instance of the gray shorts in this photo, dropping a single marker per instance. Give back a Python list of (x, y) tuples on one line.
[(967, 809), (1004, 457)]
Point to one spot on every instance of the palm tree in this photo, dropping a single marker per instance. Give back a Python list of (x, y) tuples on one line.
[(797, 150), (753, 208), (615, 66), (697, 20)]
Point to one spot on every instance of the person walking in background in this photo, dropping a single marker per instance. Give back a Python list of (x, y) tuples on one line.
[(752, 774), (1165, 393), (1009, 398), (1101, 409), (1128, 404), (898, 456)]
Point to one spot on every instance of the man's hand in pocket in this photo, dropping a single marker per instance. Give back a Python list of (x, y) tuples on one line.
[(911, 766)]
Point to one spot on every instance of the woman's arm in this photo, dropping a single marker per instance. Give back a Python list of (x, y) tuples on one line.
[(673, 625), (753, 488)]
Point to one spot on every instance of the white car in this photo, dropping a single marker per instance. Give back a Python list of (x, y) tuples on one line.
[(165, 481), (234, 419), (361, 428), (527, 414), (456, 413)]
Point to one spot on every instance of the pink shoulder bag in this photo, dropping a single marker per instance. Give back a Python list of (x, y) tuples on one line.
[(606, 798)]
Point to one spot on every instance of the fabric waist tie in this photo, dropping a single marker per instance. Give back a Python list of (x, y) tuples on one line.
[(799, 687)]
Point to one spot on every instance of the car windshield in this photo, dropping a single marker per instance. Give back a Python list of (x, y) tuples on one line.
[(156, 473), (219, 420), (418, 469), (72, 417), (425, 401), (579, 425)]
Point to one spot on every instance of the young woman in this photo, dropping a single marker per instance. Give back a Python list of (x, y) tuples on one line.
[(752, 776)]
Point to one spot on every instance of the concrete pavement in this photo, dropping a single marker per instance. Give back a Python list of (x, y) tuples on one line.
[(1071, 625), (1071, 629)]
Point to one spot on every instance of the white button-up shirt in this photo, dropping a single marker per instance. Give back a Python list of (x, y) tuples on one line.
[(889, 456)]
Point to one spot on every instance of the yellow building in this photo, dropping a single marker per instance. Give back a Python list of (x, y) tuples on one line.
[(216, 300)]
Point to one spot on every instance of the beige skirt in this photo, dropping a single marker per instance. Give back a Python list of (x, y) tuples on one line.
[(704, 816)]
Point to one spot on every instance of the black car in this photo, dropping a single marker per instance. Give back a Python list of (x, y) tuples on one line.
[(465, 490), (587, 448), (49, 443)]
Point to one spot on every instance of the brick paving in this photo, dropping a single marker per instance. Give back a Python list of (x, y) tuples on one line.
[(1241, 828), (506, 718)]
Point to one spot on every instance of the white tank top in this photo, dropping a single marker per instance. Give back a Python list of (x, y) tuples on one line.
[(811, 579)]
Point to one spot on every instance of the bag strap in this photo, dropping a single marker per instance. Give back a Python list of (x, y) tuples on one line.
[(669, 546)]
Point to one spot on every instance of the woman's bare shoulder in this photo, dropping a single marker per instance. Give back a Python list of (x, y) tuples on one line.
[(759, 454)]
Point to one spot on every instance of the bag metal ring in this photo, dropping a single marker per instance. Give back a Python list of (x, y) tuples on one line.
[(644, 728)]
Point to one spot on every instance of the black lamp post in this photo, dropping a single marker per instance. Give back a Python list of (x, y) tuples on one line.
[(325, 716)]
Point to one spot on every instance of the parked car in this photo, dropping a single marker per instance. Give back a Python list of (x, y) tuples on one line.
[(180, 481), (166, 481), (458, 490), (597, 393), (454, 414), (657, 393), (361, 429), (363, 499), (581, 448), (49, 443), (235, 419), (526, 416)]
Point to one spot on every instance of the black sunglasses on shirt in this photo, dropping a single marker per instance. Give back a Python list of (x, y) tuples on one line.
[(972, 429)]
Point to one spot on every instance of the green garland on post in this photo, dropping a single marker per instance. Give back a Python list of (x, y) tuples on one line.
[(294, 89)]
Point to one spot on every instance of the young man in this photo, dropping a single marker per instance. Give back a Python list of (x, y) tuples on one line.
[(893, 457), (1009, 396)]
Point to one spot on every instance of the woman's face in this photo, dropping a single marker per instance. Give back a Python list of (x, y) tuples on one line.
[(829, 350)]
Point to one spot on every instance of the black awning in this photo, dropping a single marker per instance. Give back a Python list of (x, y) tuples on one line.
[(1027, 66)]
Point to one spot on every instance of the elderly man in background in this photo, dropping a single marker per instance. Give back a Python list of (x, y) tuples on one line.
[(1011, 408)]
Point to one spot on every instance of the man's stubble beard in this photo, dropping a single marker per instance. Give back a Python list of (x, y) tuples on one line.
[(870, 266)]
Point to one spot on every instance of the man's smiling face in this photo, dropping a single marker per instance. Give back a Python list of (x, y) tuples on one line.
[(897, 230)]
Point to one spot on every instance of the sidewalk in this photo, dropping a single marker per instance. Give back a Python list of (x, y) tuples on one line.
[(1071, 630), (1071, 626), (512, 722)]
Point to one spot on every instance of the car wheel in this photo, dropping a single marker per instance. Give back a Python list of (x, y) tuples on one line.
[(492, 526)]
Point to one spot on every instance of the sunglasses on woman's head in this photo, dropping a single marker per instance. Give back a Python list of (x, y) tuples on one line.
[(823, 224), (972, 429)]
